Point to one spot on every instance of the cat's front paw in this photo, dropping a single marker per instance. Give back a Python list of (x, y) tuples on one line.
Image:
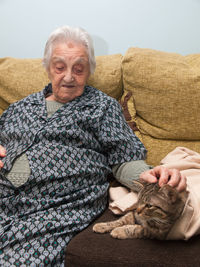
[(127, 231), (101, 228), (119, 233)]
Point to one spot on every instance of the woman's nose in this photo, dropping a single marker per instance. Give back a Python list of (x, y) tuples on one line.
[(68, 77)]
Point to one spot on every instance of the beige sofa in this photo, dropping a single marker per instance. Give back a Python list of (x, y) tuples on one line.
[(159, 93)]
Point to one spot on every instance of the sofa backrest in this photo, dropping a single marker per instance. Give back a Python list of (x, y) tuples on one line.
[(159, 93)]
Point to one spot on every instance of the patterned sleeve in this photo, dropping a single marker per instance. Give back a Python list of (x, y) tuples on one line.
[(6, 115), (118, 141)]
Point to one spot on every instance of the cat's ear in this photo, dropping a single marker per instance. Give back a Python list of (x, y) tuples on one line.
[(137, 185), (170, 193)]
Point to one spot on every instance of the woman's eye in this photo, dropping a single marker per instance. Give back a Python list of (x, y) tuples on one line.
[(78, 69), (59, 68)]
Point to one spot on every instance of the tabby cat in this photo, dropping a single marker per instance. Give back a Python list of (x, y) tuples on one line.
[(152, 216)]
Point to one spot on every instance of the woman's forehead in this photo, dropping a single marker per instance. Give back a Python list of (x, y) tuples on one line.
[(64, 52), (64, 60)]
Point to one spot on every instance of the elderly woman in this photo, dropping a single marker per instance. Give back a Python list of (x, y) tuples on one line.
[(57, 148)]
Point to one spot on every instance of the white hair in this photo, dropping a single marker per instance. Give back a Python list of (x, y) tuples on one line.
[(65, 34)]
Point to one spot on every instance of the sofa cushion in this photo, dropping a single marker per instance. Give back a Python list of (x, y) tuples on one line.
[(88, 249), (159, 148), (21, 77), (166, 90)]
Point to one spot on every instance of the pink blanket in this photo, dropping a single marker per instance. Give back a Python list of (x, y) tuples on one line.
[(188, 162)]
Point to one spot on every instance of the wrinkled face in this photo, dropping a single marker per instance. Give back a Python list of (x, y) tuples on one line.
[(68, 71)]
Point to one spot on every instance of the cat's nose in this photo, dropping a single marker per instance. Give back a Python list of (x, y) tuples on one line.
[(140, 208)]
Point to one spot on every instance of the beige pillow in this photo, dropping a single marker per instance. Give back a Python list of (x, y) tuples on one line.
[(108, 76), (21, 77), (165, 91)]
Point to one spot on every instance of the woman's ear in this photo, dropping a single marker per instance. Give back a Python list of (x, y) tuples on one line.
[(49, 76)]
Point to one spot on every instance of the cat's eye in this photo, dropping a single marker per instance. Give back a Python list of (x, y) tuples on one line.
[(148, 205)]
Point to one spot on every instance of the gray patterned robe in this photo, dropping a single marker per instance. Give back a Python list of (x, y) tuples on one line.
[(70, 155)]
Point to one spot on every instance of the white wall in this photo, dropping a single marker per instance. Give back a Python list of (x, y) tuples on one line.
[(115, 25)]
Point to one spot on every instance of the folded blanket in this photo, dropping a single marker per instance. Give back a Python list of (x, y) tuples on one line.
[(188, 224)]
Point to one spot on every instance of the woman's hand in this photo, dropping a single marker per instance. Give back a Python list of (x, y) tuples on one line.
[(2, 154), (164, 175)]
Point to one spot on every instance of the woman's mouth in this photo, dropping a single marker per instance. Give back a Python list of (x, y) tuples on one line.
[(69, 86)]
